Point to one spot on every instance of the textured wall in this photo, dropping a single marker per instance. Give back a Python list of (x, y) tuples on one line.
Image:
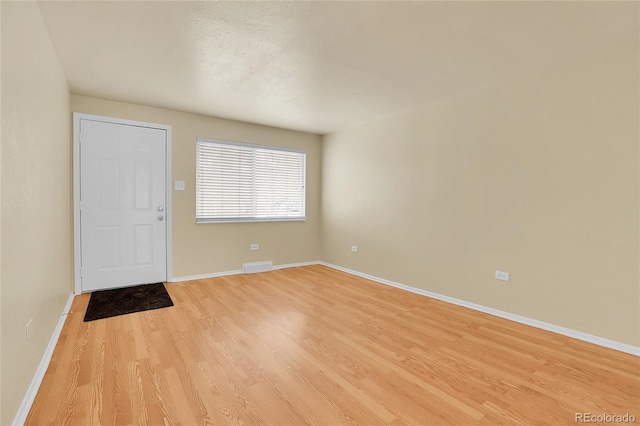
[(36, 197), (216, 247), (538, 178)]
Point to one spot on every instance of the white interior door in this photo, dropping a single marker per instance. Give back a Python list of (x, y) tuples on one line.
[(123, 227)]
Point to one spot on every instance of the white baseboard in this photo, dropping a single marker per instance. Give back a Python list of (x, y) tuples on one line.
[(239, 271), (203, 276), (296, 265), (600, 341), (32, 390)]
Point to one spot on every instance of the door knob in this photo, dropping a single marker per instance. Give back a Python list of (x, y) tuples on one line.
[(160, 218), (160, 209)]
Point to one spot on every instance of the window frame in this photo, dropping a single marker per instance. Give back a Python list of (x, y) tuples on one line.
[(200, 139)]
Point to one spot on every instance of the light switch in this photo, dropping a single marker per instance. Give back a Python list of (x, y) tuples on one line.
[(179, 185)]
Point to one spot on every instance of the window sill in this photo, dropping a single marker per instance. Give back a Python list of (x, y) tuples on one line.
[(288, 219)]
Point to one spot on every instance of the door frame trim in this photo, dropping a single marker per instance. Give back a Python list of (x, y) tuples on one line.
[(77, 116)]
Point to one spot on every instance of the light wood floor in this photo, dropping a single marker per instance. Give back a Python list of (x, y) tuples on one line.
[(316, 346)]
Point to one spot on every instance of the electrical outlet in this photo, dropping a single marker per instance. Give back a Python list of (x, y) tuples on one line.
[(29, 329), (354, 248), (255, 246), (179, 185), (503, 276)]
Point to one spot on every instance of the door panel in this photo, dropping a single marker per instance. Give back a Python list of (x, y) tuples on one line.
[(110, 247), (123, 233), (143, 243)]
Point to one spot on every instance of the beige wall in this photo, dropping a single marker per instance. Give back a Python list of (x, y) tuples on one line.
[(207, 248), (538, 178), (36, 197)]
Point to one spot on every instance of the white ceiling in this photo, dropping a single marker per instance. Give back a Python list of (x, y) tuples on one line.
[(317, 66)]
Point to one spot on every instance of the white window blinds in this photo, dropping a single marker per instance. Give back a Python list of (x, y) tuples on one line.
[(238, 182)]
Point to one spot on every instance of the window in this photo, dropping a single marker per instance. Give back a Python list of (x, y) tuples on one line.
[(240, 182)]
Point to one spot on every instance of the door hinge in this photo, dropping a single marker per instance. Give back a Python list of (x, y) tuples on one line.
[(80, 137), (81, 272)]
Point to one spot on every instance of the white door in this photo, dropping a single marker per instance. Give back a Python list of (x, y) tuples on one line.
[(123, 231)]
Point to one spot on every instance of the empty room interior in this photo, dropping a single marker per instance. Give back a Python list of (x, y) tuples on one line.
[(323, 213)]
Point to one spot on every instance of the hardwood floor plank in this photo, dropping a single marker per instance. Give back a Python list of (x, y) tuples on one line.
[(152, 392), (316, 346)]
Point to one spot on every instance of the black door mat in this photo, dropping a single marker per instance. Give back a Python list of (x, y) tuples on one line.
[(121, 301)]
